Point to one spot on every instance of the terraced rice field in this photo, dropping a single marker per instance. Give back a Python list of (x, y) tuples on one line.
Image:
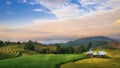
[(10, 51)]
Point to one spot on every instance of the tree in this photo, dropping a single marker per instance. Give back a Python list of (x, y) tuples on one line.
[(29, 45), (69, 50), (90, 45), (81, 49), (1, 43), (18, 42)]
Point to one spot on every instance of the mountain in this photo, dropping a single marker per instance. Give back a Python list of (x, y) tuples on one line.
[(96, 41)]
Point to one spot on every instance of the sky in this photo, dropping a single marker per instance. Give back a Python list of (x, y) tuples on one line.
[(58, 21)]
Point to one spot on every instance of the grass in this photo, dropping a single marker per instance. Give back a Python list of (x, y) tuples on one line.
[(39, 61), (112, 62), (28, 53)]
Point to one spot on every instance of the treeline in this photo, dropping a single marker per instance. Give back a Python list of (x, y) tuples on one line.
[(49, 49), (64, 50), (5, 43)]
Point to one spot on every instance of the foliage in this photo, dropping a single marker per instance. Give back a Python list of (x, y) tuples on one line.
[(1, 43), (29, 45)]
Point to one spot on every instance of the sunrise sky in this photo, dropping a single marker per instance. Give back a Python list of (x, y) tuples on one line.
[(51, 21)]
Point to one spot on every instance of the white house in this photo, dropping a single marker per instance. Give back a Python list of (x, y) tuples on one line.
[(91, 53)]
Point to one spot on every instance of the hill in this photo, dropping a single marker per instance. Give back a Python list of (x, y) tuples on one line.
[(96, 41)]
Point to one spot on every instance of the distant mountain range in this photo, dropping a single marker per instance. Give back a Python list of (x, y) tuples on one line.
[(96, 41)]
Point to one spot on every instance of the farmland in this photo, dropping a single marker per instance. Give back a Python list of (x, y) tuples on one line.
[(10, 51), (39, 61), (112, 62)]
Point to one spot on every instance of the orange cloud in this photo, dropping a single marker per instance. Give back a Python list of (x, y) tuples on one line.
[(117, 22)]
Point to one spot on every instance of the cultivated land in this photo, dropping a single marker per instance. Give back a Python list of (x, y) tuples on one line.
[(10, 51), (112, 62), (40, 61)]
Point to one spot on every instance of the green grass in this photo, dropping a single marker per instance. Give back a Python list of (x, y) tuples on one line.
[(39, 61), (112, 62), (28, 53)]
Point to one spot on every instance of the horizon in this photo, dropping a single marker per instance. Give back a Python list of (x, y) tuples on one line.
[(58, 21), (57, 42)]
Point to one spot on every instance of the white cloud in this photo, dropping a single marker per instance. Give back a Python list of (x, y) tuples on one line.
[(24, 1), (61, 8), (9, 12), (66, 9), (41, 10), (38, 10), (101, 4), (51, 4), (113, 3), (8, 2)]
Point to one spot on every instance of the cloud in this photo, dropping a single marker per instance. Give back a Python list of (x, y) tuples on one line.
[(24, 1), (100, 4), (92, 24), (41, 10), (38, 10), (61, 8), (9, 12), (51, 4), (67, 9), (117, 22), (8, 2)]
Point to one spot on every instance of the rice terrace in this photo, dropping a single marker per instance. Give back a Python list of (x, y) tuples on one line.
[(59, 34)]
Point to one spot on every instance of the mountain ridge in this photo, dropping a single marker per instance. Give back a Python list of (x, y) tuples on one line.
[(96, 41)]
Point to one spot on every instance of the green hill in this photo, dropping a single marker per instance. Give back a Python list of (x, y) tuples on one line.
[(96, 41)]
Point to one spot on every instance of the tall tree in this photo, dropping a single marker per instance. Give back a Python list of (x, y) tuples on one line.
[(1, 43), (29, 45), (89, 45)]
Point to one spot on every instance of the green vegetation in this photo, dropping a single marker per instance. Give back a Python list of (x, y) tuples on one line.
[(1, 43), (112, 62), (29, 45), (39, 61), (28, 53)]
